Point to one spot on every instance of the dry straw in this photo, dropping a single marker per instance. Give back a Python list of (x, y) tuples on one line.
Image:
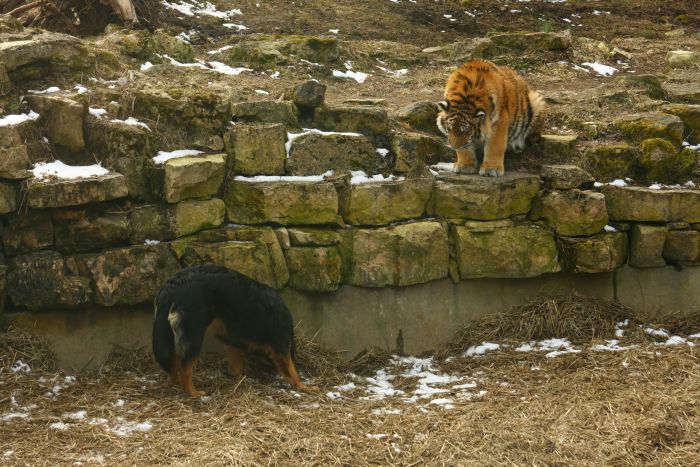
[(638, 406)]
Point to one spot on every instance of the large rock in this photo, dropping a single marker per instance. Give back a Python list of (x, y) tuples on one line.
[(42, 281), (647, 246), (690, 115), (308, 95), (5, 82), (286, 203), (500, 249), (79, 230), (682, 246), (64, 119), (682, 58), (483, 198), (255, 149), (314, 269), (27, 231), (565, 177), (557, 147), (611, 161), (191, 110), (8, 198), (519, 42), (281, 112), (73, 192), (370, 121), (647, 205), (648, 84), (125, 149), (683, 92), (20, 52), (314, 153), (311, 236), (127, 275), (660, 161), (145, 45), (421, 116), (639, 127), (166, 222), (267, 49), (603, 252), (382, 203), (189, 177), (572, 212), (253, 251), (415, 150), (15, 161), (399, 255)]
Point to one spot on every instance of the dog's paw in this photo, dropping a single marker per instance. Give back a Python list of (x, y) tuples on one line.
[(307, 389), (491, 171)]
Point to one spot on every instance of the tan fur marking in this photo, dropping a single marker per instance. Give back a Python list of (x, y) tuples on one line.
[(186, 379)]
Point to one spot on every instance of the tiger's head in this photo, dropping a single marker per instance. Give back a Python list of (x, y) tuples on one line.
[(460, 126)]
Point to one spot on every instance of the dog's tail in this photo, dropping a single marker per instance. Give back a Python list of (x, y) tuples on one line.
[(163, 337)]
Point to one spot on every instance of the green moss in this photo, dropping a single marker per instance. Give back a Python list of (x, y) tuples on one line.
[(608, 162), (658, 125)]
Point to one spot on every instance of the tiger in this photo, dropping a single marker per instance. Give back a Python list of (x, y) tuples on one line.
[(491, 107)]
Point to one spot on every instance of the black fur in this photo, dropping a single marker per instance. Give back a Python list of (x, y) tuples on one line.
[(252, 313)]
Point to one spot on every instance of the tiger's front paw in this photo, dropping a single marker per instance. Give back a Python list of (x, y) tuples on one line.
[(491, 171), (464, 169)]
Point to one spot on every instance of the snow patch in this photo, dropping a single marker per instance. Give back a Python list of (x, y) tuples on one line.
[(164, 156), (16, 119), (283, 178), (481, 349), (131, 121), (603, 70), (60, 170), (359, 177), (97, 112), (305, 131)]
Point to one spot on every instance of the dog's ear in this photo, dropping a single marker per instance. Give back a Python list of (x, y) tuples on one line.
[(444, 106)]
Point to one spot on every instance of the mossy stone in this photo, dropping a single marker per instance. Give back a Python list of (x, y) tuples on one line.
[(603, 252), (610, 161), (314, 269), (504, 251), (651, 125), (660, 161)]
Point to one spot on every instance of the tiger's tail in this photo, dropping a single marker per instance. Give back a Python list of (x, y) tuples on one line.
[(538, 106)]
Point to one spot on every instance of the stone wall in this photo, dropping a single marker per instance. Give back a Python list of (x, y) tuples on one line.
[(250, 197), (85, 242)]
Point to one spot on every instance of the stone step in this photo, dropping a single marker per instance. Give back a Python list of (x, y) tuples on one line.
[(641, 204), (54, 193)]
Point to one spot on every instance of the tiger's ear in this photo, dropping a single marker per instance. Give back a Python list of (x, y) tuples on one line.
[(480, 114), (444, 106)]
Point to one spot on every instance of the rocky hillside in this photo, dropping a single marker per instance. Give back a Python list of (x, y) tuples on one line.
[(115, 142)]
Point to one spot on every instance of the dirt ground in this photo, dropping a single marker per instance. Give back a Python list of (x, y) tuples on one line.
[(616, 392)]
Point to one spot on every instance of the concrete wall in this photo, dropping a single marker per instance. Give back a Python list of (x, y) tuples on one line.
[(355, 318)]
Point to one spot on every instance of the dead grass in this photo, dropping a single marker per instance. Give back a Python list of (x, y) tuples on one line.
[(637, 406)]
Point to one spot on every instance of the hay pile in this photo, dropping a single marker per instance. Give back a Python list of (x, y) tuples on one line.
[(636, 406)]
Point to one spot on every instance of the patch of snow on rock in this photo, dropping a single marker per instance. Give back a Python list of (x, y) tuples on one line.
[(60, 170)]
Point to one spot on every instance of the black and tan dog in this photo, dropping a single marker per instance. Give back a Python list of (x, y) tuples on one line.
[(247, 315)]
